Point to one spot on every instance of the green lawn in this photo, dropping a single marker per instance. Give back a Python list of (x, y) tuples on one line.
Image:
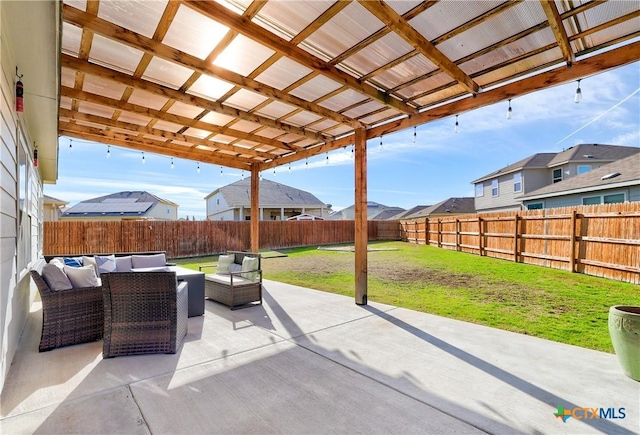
[(538, 301)]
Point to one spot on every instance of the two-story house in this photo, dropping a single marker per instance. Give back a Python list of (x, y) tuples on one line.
[(277, 202), (503, 189)]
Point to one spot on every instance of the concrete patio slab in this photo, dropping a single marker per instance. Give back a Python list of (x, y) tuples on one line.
[(312, 362)]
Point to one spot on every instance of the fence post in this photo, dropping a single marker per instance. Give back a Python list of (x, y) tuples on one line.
[(415, 231), (572, 242), (426, 232), (515, 238), (480, 237), (457, 234), (439, 233)]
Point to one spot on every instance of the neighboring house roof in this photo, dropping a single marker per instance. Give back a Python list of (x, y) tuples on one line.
[(413, 210), (628, 170), (387, 213), (123, 204), (448, 206), (373, 209), (272, 194), (51, 200), (593, 153), (578, 153)]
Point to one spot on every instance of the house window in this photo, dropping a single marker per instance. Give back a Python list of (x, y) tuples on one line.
[(582, 169), (591, 200), (557, 175), (494, 187), (612, 198), (479, 189), (517, 182), (535, 206), (615, 198)]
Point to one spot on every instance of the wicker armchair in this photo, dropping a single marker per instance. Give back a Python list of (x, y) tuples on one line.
[(233, 290), (144, 312), (69, 316)]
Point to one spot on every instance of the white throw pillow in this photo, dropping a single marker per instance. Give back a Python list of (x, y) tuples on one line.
[(250, 263), (55, 277), (84, 276), (153, 260), (123, 264), (224, 261), (106, 263), (58, 261), (90, 261)]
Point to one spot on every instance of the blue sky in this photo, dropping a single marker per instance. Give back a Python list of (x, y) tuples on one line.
[(439, 165)]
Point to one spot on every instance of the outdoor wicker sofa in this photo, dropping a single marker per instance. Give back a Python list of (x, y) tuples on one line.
[(144, 313), (238, 287), (70, 316)]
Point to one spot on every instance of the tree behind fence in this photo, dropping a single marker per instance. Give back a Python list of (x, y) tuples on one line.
[(600, 240), (196, 238)]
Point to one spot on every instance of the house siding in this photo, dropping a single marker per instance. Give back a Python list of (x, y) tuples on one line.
[(576, 198), (533, 179), (16, 258), (506, 196)]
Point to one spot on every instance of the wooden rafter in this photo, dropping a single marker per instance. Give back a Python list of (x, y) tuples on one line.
[(248, 28), (169, 117), (140, 42), (135, 128), (150, 145), (582, 68), (553, 16), (164, 91), (387, 15)]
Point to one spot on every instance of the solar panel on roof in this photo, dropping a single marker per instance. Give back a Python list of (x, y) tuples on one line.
[(100, 207)]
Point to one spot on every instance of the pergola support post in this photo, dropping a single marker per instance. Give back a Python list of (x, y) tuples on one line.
[(361, 233), (255, 208)]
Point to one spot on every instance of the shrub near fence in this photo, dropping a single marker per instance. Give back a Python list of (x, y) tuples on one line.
[(195, 238), (599, 240)]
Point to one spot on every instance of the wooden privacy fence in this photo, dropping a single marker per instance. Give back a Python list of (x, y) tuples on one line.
[(194, 238), (600, 240)]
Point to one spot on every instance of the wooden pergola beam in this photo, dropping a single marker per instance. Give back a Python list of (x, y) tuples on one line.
[(148, 45), (553, 16), (164, 116), (193, 100), (135, 128), (391, 18), (150, 145), (361, 237), (599, 63), (251, 30)]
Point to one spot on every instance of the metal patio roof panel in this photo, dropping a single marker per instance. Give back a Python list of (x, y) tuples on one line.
[(112, 54), (346, 29), (408, 70), (283, 73), (377, 54), (193, 33), (127, 14), (288, 18), (209, 87)]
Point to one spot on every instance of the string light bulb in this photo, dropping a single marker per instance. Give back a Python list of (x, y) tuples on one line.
[(456, 128), (289, 167), (306, 163), (242, 174), (578, 96), (172, 163), (108, 151), (509, 110), (327, 159), (415, 133), (198, 168), (70, 146), (353, 147), (274, 171), (380, 142), (143, 160), (221, 173)]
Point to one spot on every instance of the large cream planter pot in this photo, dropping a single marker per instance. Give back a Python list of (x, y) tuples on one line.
[(624, 328)]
